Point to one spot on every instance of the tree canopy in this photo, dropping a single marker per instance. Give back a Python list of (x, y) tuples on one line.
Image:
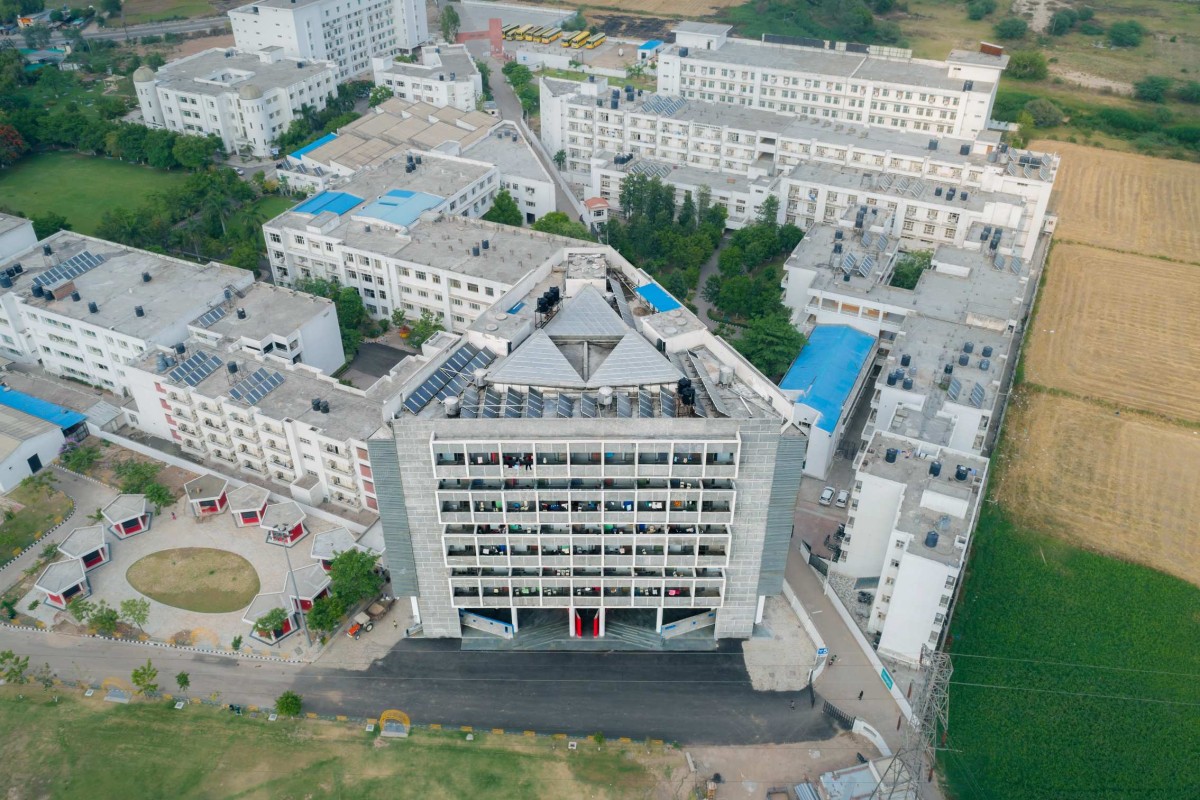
[(770, 343), (504, 210), (353, 577), (560, 224)]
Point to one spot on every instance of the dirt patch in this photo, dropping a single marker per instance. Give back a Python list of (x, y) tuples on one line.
[(1089, 81), (749, 771), (1127, 202), (198, 579), (625, 26), (1120, 328), (1120, 484), (104, 470), (1036, 12), (190, 47)]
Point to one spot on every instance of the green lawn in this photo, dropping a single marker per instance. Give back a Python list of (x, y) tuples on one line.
[(149, 750), (138, 12), (271, 206), (45, 507), (79, 187), (1091, 687)]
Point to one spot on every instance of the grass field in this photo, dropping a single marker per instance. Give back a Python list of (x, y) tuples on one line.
[(44, 508), (271, 206), (1121, 328), (138, 12), (137, 751), (79, 187), (1124, 485), (1074, 674), (196, 579), (1127, 202)]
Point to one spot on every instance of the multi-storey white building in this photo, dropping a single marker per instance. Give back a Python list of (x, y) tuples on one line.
[(818, 170), (419, 248), (445, 77), (16, 235), (866, 85), (913, 509), (398, 128), (347, 32), (590, 451), (248, 99)]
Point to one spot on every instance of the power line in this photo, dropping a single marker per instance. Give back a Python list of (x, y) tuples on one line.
[(1079, 694), (1080, 666)]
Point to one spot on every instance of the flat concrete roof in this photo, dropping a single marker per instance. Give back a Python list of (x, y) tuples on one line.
[(214, 72), (925, 190), (513, 158), (174, 291), (8, 222), (451, 59), (269, 310)]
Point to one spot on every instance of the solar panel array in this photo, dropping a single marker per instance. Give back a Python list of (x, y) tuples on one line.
[(955, 388), (196, 368), (667, 401), (663, 106), (514, 404), (865, 267), (645, 405), (211, 317), (534, 405), (450, 378), (258, 385), (73, 267), (849, 262), (977, 395), (624, 406), (494, 403), (587, 406)]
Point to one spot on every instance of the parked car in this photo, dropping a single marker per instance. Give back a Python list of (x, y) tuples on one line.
[(239, 170), (826, 496), (842, 498)]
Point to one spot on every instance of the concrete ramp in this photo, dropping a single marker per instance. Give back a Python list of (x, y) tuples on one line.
[(689, 624), (486, 624)]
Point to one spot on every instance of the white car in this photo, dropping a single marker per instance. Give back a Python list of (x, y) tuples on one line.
[(826, 496), (239, 170), (842, 498)]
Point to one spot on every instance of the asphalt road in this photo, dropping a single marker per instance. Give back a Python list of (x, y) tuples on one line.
[(697, 698), (115, 31)]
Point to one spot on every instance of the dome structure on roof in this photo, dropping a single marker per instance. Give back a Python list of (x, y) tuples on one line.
[(250, 92), (143, 74)]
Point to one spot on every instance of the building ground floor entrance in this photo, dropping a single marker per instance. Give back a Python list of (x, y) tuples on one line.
[(594, 628)]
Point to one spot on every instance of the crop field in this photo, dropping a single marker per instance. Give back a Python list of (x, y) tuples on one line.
[(1119, 484), (1074, 674), (1127, 202), (1120, 328), (138, 12)]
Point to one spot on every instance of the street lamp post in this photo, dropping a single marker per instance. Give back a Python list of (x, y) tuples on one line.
[(280, 534)]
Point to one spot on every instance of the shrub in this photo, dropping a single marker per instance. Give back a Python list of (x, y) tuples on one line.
[(1190, 92), (1011, 28), (1045, 114), (1028, 65), (978, 9), (289, 704), (1062, 22), (1128, 33), (1152, 89), (1091, 28)]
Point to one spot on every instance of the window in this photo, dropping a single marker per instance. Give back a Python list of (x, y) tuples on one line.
[(420, 275), (473, 287), (945, 601)]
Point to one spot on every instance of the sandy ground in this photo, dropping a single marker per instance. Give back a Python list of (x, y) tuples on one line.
[(1120, 328), (1121, 484), (190, 47), (1037, 12), (1089, 81), (747, 772), (1127, 202)]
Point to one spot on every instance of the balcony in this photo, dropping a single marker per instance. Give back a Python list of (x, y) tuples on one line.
[(245, 435), (276, 447)]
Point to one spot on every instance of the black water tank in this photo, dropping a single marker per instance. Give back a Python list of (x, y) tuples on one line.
[(684, 383), (891, 379), (145, 277), (905, 360), (232, 367), (93, 308), (75, 296), (931, 539), (47, 250), (960, 473), (180, 348), (987, 351), (908, 384), (969, 347), (963, 360), (324, 406), (475, 251), (935, 468), (5, 282), (241, 313), (139, 311), (39, 290), (542, 306), (485, 244), (316, 404), (890, 456), (555, 294), (948, 369)]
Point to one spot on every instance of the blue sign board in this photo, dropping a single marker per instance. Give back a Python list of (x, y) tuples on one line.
[(822, 651), (887, 679)]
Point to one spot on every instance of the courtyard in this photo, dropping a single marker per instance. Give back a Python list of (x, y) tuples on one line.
[(199, 575)]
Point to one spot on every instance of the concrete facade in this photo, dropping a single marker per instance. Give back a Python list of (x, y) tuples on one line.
[(445, 76)]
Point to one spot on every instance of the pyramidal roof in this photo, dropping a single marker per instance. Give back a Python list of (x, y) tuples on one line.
[(634, 361), (537, 362), (587, 315)]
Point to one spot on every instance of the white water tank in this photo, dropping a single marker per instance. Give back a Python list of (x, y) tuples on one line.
[(605, 395)]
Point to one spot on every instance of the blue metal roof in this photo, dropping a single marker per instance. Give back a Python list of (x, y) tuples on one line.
[(658, 297), (337, 202), (308, 148), (401, 207), (653, 44), (826, 369), (37, 407)]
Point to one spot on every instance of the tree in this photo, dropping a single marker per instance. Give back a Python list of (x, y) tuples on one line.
[(1045, 114), (398, 316), (159, 496), (110, 7), (560, 159), (183, 681), (37, 37), (1152, 89), (14, 668), (289, 704), (450, 23), (560, 224), (1028, 65), (1062, 22), (1128, 33), (271, 621), (12, 145), (326, 613), (909, 267), (504, 210), (1011, 28), (195, 152), (378, 95), (144, 678), (770, 343), (978, 9), (104, 619), (79, 608), (48, 224), (353, 577), (1190, 92), (136, 611)]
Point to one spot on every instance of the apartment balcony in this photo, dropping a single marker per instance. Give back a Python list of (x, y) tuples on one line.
[(251, 468), (193, 446), (346, 500), (223, 457), (213, 423), (245, 435), (182, 412), (334, 466), (219, 440), (716, 517), (275, 446)]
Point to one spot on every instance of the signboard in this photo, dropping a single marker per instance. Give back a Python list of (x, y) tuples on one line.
[(822, 651), (887, 679)]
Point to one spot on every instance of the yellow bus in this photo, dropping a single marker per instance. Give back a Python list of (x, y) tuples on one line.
[(595, 41), (550, 35), (533, 33), (507, 30), (516, 33), (575, 39)]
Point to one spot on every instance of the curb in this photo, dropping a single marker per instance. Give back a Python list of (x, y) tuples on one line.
[(161, 645)]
